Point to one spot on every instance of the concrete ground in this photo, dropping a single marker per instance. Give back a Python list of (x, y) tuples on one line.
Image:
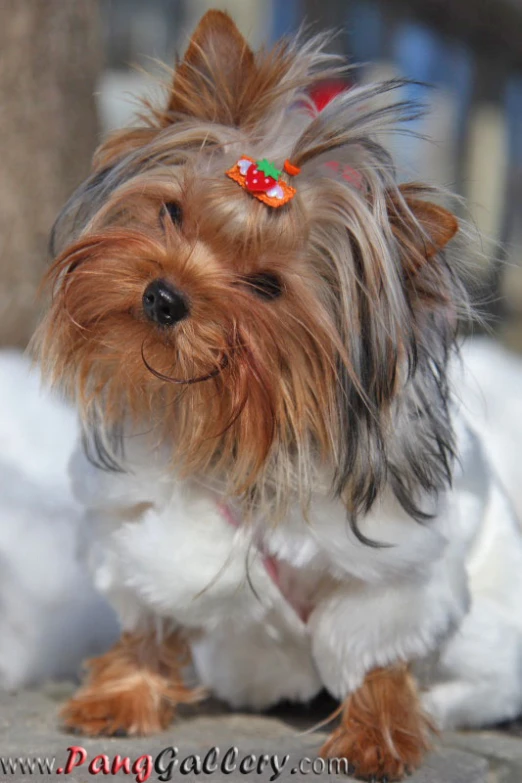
[(29, 728)]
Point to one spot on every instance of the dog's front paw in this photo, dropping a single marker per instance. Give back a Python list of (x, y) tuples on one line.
[(131, 690), (137, 711), (368, 755), (383, 733)]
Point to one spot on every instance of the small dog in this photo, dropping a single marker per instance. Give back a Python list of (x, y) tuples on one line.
[(255, 320)]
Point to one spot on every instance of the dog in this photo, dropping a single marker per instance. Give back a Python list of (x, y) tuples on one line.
[(255, 321)]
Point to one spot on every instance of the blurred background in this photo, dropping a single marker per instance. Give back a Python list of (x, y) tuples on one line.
[(69, 71)]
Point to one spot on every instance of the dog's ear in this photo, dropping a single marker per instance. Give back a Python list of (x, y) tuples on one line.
[(421, 227), (215, 81), (211, 82), (438, 224)]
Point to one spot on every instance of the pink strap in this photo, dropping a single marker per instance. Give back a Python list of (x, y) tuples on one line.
[(270, 563)]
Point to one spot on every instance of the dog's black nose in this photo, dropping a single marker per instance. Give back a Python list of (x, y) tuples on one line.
[(164, 304)]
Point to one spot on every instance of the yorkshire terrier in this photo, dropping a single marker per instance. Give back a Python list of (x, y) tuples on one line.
[(255, 321)]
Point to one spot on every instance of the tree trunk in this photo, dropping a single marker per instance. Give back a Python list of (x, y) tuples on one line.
[(50, 57)]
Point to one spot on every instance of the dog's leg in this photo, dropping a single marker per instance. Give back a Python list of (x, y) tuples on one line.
[(132, 689), (383, 732)]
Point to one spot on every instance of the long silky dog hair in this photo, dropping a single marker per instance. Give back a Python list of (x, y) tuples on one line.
[(316, 336)]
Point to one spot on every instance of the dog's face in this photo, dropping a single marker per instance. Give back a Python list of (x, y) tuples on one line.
[(262, 342)]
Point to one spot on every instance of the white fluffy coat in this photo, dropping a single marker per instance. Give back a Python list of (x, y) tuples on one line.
[(442, 594)]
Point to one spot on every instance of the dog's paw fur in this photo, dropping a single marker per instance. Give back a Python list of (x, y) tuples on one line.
[(140, 709), (383, 733), (131, 690)]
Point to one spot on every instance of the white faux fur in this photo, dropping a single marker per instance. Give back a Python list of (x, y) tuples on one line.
[(489, 386), (50, 616), (161, 549)]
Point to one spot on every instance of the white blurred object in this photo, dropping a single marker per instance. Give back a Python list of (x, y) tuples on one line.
[(50, 616), (119, 97), (489, 386)]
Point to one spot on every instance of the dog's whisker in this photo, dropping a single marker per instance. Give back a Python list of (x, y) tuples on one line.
[(186, 381)]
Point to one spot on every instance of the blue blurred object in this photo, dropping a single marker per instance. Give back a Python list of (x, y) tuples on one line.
[(286, 17), (365, 31)]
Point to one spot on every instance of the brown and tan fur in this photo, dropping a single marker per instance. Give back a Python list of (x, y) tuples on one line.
[(383, 731), (132, 689)]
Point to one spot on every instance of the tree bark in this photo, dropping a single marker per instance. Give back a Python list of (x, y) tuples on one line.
[(50, 56)]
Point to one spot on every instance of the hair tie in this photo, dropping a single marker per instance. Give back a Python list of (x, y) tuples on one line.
[(261, 178)]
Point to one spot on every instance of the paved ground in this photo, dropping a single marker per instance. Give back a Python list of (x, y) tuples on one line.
[(29, 727)]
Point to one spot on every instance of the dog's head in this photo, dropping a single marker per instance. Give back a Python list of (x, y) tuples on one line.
[(266, 343)]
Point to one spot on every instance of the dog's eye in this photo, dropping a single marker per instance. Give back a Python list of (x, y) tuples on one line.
[(174, 211), (265, 285)]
